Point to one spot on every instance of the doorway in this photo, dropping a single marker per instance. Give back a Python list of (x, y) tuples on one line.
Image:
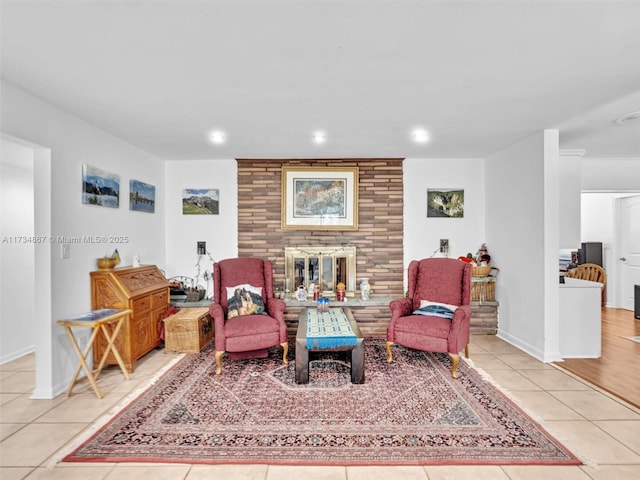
[(601, 221), (35, 272)]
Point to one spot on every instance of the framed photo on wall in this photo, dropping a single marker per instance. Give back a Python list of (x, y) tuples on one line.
[(319, 198), (200, 201), (142, 196), (100, 187), (445, 202)]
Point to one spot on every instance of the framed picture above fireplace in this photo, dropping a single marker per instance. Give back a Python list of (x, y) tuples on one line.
[(319, 198)]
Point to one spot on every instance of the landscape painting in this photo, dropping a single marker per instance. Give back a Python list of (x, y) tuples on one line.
[(200, 201), (321, 198), (100, 187), (447, 203), (142, 196)]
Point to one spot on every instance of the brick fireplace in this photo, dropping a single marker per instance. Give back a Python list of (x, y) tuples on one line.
[(378, 239)]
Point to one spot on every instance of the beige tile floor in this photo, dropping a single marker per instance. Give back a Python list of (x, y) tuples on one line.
[(602, 430)]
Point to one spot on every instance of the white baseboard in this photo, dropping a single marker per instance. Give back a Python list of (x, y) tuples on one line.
[(11, 356)]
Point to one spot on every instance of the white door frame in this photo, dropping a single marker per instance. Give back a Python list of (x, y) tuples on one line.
[(618, 245), (43, 284)]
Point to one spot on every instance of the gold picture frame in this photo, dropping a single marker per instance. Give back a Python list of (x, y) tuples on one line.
[(319, 198)]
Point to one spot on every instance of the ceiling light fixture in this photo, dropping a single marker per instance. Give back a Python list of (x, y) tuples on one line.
[(217, 137), (628, 117), (319, 137), (420, 136)]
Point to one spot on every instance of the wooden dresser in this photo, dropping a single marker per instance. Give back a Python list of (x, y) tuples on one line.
[(143, 290)]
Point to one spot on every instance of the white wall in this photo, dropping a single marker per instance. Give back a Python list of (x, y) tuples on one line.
[(184, 231), (522, 225), (74, 142), (421, 234), (570, 203), (610, 174), (17, 252)]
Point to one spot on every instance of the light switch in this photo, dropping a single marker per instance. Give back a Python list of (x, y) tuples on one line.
[(65, 250)]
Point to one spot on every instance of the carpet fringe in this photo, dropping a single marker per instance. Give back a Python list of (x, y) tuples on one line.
[(86, 434), (516, 401)]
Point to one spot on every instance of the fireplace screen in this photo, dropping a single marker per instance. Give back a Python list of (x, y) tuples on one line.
[(323, 266)]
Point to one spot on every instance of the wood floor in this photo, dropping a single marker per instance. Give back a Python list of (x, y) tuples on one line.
[(618, 370)]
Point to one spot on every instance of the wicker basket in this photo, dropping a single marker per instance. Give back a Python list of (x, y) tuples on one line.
[(483, 287), (481, 271), (188, 331), (195, 295)]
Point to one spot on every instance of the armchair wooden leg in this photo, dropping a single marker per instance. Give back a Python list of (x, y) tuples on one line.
[(219, 355), (389, 354), (466, 351), (285, 352), (455, 359)]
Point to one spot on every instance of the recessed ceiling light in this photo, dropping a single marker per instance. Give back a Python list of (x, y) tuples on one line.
[(420, 135), (319, 137), (217, 137), (628, 117)]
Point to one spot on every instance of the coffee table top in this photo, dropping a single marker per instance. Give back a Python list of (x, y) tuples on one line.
[(327, 330)]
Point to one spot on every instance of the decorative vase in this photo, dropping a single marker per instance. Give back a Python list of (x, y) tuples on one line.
[(365, 288)]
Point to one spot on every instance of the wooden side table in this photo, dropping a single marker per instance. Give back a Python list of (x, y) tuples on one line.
[(98, 320)]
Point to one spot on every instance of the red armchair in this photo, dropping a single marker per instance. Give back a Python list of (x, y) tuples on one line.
[(438, 280), (247, 321)]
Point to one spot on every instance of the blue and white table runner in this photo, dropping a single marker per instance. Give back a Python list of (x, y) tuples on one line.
[(329, 329)]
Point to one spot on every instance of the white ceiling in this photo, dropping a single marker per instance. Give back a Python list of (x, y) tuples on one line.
[(478, 75)]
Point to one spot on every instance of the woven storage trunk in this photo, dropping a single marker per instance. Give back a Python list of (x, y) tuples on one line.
[(483, 286), (188, 331), (489, 293)]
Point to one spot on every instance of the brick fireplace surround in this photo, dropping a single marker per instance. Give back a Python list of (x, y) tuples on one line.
[(379, 238)]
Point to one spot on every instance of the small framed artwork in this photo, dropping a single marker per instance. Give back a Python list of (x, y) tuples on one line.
[(100, 187), (319, 198), (445, 202), (142, 196), (200, 201)]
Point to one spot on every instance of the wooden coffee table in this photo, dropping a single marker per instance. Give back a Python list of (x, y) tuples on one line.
[(302, 350)]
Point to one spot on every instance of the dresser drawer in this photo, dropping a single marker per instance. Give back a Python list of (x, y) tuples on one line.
[(141, 304), (160, 299)]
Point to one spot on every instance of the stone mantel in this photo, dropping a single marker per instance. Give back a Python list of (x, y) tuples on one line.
[(352, 302)]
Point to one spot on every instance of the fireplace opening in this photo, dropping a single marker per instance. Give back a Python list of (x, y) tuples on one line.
[(324, 266)]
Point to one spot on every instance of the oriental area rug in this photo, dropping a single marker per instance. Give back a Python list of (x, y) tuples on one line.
[(410, 412)]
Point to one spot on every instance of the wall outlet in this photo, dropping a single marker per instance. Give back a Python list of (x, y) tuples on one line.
[(444, 246), (202, 248)]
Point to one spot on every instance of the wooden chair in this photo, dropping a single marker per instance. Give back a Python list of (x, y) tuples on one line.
[(592, 272)]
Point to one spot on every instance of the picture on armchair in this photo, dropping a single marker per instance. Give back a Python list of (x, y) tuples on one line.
[(447, 203), (244, 300)]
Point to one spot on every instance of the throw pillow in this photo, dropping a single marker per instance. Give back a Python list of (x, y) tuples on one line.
[(244, 300), (435, 309)]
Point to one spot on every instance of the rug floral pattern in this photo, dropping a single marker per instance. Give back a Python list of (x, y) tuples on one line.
[(408, 412)]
